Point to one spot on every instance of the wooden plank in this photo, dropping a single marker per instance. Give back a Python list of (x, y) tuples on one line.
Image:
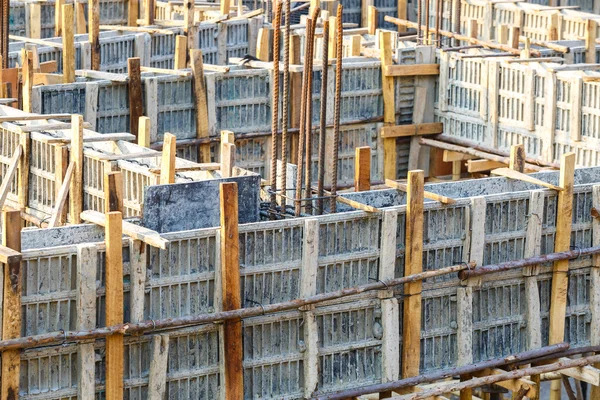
[(389, 107), (451, 156), (560, 269), (356, 46), (143, 138), (262, 44), (510, 173), (23, 175), (227, 159), (199, 87), (224, 7), (576, 99), (428, 195), (514, 385), (356, 204), (113, 191), (7, 179), (138, 255), (34, 26), (61, 164), (9, 256), (372, 20), (149, 12), (58, 19), (132, 12), (68, 40), (188, 21), (136, 108), (591, 26), (231, 293), (517, 158), (114, 304), (11, 305), (587, 374), (483, 165), (80, 18), (27, 78), (134, 231), (47, 79), (411, 70), (109, 76), (167, 163), (428, 128), (61, 199), (76, 157), (180, 52), (310, 258), (411, 338), (362, 169), (157, 380), (94, 32), (595, 283)]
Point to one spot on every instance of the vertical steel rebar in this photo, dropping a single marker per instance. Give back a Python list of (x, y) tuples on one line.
[(419, 21), (323, 118), (308, 121), (426, 21), (458, 11), (336, 114), (438, 22), (286, 103), (275, 107)]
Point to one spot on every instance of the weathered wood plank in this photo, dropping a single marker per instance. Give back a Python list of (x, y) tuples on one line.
[(428, 128), (362, 169), (169, 155), (134, 86), (76, 157)]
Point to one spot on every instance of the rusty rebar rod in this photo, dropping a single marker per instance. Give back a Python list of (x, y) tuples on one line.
[(323, 118), (275, 104), (337, 106), (438, 20), (286, 96), (308, 119), (426, 21)]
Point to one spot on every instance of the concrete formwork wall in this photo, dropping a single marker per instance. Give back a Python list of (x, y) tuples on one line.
[(339, 344)]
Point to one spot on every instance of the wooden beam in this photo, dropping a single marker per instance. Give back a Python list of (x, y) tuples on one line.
[(362, 169), (61, 199), (428, 195), (180, 52), (132, 12), (94, 32), (372, 20), (224, 6), (61, 166), (510, 173), (113, 191), (451, 156), (587, 374), (514, 385), (114, 304), (80, 18), (157, 380), (136, 109), (591, 26), (389, 106), (560, 269), (7, 179), (356, 204), (68, 40), (517, 158), (58, 20), (200, 102), (47, 79), (27, 78), (227, 159), (134, 231), (412, 70), (76, 157), (483, 165), (23, 174), (143, 138), (34, 117), (9, 256), (262, 44), (427, 128), (230, 286), (411, 338), (149, 10), (356, 46), (11, 305), (169, 155)]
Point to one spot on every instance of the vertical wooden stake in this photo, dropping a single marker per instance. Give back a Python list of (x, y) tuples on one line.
[(114, 304), (157, 384), (94, 32), (35, 20), (372, 20), (11, 306), (515, 33), (143, 138), (591, 26), (595, 283), (68, 37), (23, 174), (473, 29), (227, 159), (502, 34), (295, 49), (332, 45), (167, 164), (356, 45), (517, 158), (180, 52), (113, 191), (553, 28), (199, 87), (27, 76), (188, 21), (560, 269), (58, 21), (80, 18), (61, 162), (87, 265), (149, 12), (225, 6), (132, 12), (76, 157), (230, 283), (135, 94), (411, 349), (402, 13), (263, 50), (362, 169), (389, 108)]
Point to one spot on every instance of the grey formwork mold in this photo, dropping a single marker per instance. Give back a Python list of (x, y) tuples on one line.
[(351, 333)]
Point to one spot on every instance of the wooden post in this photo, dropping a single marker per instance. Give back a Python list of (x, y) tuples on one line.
[(114, 304), (389, 108), (58, 21), (295, 49), (553, 28), (87, 264), (362, 169), (135, 94), (181, 44), (149, 12), (34, 26), (80, 18), (188, 21), (411, 339), (515, 33), (502, 34), (11, 305), (199, 87), (227, 159), (517, 158), (27, 77), (332, 45), (402, 13), (94, 32), (76, 157), (230, 284), (157, 384), (591, 26), (68, 37), (356, 45), (113, 191), (595, 283), (560, 269), (372, 20), (132, 12), (23, 173), (225, 7), (263, 50), (167, 164), (61, 162), (143, 138)]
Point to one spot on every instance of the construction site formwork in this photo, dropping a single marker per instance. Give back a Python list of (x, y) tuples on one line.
[(340, 344)]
